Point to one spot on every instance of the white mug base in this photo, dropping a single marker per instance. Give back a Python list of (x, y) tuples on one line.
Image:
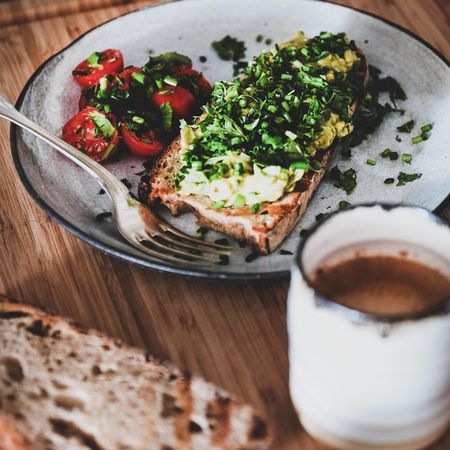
[(329, 439)]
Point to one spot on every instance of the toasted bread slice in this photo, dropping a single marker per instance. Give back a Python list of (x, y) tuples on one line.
[(62, 387), (264, 230)]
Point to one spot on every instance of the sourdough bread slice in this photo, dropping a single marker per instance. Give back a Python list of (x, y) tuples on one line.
[(264, 230), (62, 387)]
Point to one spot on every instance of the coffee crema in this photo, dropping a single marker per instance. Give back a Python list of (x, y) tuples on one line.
[(383, 285)]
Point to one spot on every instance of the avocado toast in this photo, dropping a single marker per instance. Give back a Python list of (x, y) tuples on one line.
[(250, 163)]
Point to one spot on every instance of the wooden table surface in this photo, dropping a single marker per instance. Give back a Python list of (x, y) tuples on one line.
[(231, 333)]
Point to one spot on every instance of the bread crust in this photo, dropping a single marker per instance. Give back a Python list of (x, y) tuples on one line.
[(264, 230)]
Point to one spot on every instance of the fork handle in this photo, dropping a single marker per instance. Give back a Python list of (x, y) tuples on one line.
[(115, 188)]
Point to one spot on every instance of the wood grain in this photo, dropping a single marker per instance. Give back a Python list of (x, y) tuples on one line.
[(233, 334)]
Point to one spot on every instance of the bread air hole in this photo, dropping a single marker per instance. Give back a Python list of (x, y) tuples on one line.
[(14, 369), (68, 403)]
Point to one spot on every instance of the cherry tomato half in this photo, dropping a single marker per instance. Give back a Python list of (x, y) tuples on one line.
[(93, 132), (127, 75), (180, 99), (96, 65), (146, 144), (203, 84)]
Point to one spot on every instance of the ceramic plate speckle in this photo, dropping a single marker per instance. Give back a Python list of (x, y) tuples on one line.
[(72, 196)]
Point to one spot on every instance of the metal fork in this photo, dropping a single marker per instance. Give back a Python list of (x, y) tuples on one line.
[(138, 224)]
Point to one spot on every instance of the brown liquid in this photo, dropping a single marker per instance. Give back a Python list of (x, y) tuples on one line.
[(385, 285)]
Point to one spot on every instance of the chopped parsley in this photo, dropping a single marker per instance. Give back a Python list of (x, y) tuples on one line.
[(103, 123), (345, 180), (404, 178), (343, 204), (406, 127), (229, 48)]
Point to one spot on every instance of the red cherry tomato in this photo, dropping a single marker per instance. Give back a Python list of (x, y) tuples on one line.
[(126, 75), (180, 99), (203, 84), (83, 132), (146, 144), (95, 66)]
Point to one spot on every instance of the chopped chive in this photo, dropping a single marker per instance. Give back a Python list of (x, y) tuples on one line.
[(197, 165), (138, 119), (218, 205), (259, 38), (268, 41), (371, 162), (255, 208), (239, 201), (407, 158), (385, 153), (389, 181), (393, 156), (300, 165), (343, 204), (398, 138), (139, 77), (286, 76), (417, 139), (426, 128), (170, 80), (272, 108)]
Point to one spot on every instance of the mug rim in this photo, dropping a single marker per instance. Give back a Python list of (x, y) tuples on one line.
[(442, 308)]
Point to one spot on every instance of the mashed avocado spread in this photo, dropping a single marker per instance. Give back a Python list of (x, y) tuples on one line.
[(262, 132)]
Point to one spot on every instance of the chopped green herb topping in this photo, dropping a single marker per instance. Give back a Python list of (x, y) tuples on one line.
[(139, 77), (93, 60), (167, 115), (103, 123), (389, 181), (404, 178), (259, 38), (343, 204), (371, 162), (407, 158), (406, 127), (345, 180), (229, 48)]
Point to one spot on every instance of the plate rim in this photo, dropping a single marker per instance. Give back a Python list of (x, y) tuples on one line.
[(161, 266)]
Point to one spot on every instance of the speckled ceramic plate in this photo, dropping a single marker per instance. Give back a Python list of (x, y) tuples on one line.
[(71, 196)]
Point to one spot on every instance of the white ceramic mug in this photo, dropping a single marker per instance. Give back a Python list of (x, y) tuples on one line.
[(358, 380)]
